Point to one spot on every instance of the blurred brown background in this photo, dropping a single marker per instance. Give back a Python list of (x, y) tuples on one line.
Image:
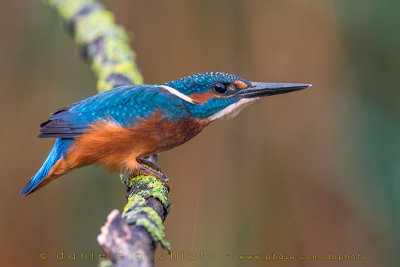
[(312, 172)]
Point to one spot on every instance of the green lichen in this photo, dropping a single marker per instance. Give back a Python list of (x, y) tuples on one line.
[(134, 201), (148, 218), (117, 57), (66, 9), (156, 231), (114, 57), (97, 23), (149, 186), (143, 187)]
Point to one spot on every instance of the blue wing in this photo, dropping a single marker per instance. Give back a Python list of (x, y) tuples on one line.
[(124, 104)]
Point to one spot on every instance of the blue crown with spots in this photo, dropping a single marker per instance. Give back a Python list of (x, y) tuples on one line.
[(201, 82)]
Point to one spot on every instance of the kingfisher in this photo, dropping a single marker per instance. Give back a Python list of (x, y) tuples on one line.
[(118, 128)]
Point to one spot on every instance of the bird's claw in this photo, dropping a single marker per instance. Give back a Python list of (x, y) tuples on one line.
[(149, 168)]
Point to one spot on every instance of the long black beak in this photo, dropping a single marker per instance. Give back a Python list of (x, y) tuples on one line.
[(258, 89)]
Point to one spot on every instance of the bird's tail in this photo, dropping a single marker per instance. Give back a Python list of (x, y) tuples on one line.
[(59, 150)]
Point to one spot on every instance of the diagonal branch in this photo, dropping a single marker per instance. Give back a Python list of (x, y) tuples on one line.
[(130, 239)]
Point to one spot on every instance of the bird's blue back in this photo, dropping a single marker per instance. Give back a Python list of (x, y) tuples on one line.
[(125, 105)]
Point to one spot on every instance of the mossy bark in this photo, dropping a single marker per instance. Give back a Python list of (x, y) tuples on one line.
[(106, 47)]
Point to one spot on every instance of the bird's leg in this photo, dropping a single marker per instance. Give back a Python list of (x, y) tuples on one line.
[(149, 168)]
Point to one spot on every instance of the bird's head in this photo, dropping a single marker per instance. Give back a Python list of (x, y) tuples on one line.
[(215, 95)]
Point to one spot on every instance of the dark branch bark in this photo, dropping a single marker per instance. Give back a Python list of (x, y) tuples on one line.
[(130, 240)]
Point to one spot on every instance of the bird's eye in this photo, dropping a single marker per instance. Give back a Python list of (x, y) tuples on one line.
[(220, 88)]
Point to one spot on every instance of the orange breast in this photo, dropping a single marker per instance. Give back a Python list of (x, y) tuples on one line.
[(114, 147)]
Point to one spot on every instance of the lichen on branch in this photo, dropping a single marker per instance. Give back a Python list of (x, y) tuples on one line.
[(102, 42), (107, 47)]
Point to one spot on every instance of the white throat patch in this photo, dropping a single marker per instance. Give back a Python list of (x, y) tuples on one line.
[(232, 110), (178, 94)]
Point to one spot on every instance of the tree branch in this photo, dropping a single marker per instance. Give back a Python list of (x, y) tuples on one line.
[(130, 239)]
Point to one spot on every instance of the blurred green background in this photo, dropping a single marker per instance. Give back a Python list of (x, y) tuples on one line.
[(312, 172)]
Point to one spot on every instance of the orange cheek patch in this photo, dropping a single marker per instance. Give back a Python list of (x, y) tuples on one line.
[(240, 84), (202, 98)]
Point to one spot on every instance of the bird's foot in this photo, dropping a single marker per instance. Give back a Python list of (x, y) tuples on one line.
[(153, 166), (149, 168)]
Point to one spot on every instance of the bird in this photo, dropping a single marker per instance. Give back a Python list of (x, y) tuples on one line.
[(118, 128)]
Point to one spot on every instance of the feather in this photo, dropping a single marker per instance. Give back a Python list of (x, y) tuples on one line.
[(124, 105)]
